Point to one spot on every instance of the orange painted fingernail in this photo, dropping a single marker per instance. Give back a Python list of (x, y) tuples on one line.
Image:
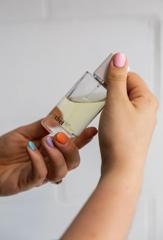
[(61, 138)]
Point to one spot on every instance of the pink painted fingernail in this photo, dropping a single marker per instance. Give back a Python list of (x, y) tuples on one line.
[(119, 60)]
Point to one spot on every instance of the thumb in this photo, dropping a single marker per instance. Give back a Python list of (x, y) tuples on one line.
[(33, 131), (116, 76)]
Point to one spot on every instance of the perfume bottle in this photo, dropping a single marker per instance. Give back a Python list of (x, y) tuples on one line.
[(80, 105)]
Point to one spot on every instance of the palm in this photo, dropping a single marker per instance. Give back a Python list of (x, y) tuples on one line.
[(16, 170)]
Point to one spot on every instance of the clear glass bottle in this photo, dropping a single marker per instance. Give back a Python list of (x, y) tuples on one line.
[(80, 105)]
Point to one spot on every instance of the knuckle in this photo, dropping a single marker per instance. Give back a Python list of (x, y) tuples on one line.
[(60, 174), (56, 155), (133, 75), (75, 164), (148, 97), (152, 100), (115, 75), (41, 174), (71, 147)]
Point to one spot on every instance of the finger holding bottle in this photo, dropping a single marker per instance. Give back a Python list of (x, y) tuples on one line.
[(128, 118), (62, 152)]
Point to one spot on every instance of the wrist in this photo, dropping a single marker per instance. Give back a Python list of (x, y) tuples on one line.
[(122, 161), (130, 174)]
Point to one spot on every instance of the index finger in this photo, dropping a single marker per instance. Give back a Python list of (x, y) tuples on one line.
[(85, 137), (136, 84)]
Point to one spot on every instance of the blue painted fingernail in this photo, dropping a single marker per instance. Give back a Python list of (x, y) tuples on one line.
[(31, 145), (49, 141)]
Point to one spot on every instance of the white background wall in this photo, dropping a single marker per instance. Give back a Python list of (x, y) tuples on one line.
[(45, 46)]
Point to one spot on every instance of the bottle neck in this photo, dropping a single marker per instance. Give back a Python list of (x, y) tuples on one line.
[(96, 77)]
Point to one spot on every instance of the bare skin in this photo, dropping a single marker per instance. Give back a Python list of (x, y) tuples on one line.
[(22, 169), (125, 130)]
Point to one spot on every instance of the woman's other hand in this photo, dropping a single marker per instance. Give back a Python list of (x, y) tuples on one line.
[(128, 118), (29, 158)]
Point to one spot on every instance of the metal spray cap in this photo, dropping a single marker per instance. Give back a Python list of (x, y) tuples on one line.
[(100, 72)]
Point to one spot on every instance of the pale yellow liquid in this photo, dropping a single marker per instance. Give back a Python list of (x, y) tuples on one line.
[(78, 113)]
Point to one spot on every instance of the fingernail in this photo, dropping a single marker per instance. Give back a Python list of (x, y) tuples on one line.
[(61, 138), (119, 60), (58, 182), (31, 145), (49, 141), (95, 132)]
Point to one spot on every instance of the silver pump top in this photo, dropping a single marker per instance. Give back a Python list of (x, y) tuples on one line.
[(100, 72)]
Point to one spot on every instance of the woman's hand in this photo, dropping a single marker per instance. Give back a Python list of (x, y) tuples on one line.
[(126, 125), (127, 120), (29, 158)]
